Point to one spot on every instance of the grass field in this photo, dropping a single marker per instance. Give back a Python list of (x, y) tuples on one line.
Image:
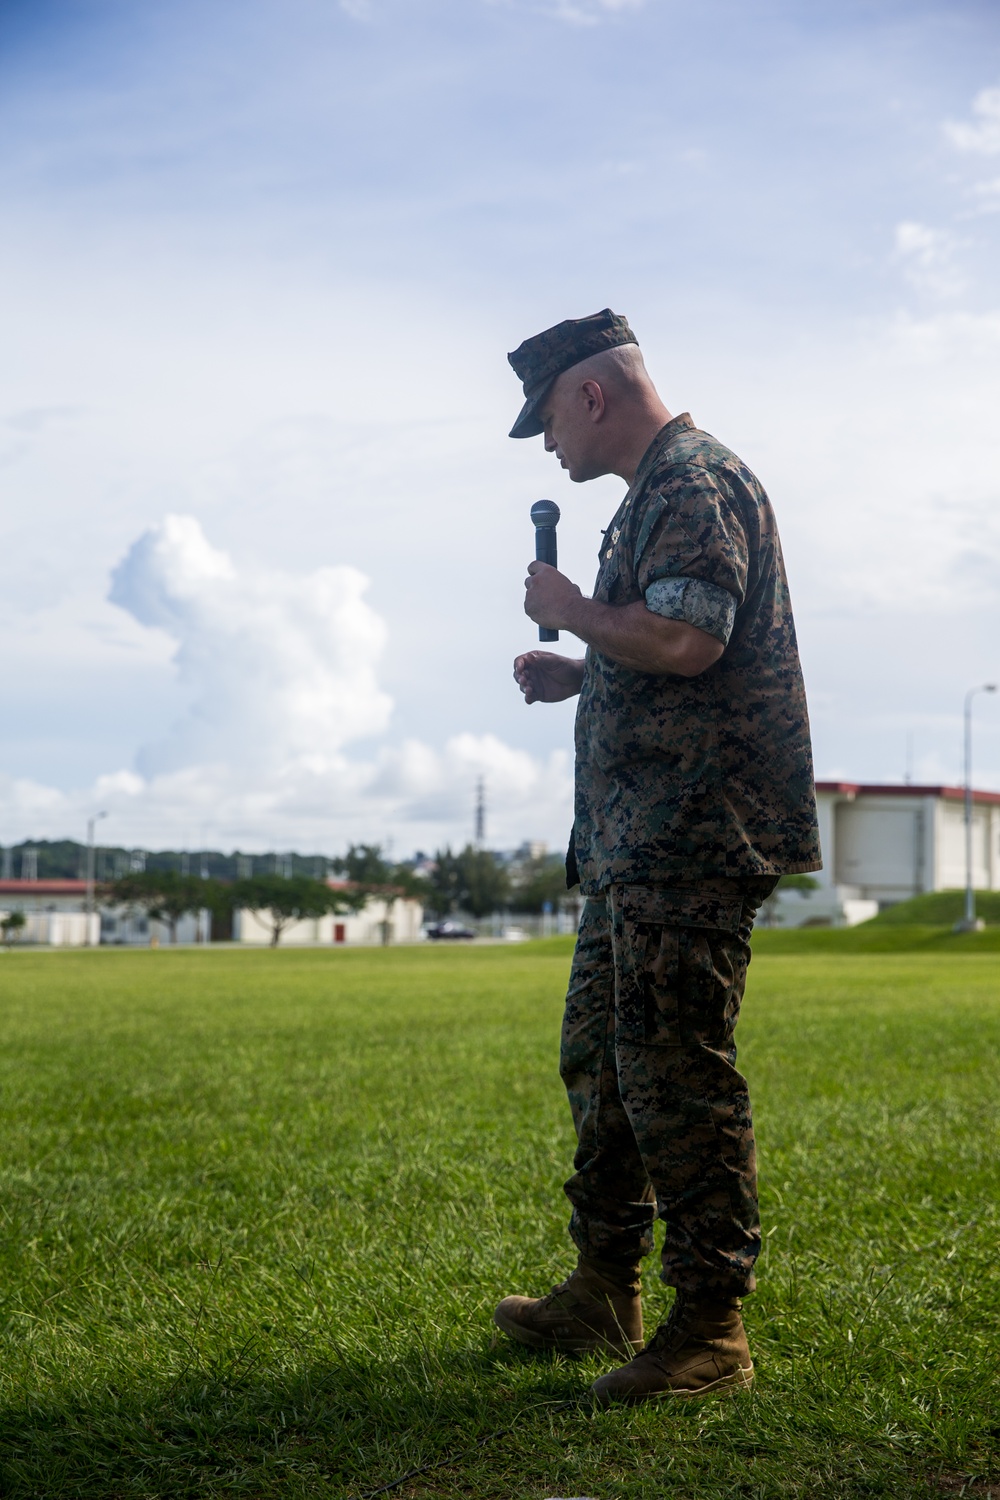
[(257, 1208)]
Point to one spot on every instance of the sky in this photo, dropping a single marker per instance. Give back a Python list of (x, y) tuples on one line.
[(263, 532)]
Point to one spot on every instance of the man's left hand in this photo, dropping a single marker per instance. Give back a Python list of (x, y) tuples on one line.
[(549, 596)]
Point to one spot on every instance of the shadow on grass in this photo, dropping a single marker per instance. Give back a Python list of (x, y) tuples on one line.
[(506, 1421), (336, 1428)]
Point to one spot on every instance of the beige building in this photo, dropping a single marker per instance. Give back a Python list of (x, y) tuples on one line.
[(377, 922)]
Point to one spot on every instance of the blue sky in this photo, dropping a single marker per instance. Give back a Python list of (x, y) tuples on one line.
[(263, 263)]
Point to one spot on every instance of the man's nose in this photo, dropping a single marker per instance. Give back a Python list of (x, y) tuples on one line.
[(550, 443)]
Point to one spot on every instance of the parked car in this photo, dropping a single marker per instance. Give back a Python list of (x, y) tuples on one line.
[(449, 932)]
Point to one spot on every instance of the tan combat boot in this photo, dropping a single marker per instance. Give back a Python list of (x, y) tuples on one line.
[(597, 1307), (701, 1350)]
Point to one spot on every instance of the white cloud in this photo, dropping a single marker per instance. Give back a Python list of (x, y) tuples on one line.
[(280, 672), (988, 193), (578, 12), (928, 258), (581, 13), (592, 10), (886, 474), (428, 786), (416, 795), (281, 668), (982, 134)]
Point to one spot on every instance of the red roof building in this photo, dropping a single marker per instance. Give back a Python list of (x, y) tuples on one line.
[(886, 843)]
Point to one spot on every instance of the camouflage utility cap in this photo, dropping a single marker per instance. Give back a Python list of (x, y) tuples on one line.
[(538, 361)]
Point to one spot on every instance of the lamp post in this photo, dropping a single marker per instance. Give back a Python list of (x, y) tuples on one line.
[(968, 922), (89, 902)]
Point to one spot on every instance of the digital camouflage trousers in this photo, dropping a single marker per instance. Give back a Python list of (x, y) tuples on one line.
[(662, 1115)]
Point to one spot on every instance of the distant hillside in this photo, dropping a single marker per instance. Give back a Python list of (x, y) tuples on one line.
[(65, 859), (938, 909)]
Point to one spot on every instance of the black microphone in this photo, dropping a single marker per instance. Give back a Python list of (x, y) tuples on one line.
[(545, 514)]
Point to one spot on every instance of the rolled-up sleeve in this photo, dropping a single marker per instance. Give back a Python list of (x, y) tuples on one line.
[(691, 553), (705, 605)]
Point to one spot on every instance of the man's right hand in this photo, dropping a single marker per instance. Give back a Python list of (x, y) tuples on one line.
[(544, 677)]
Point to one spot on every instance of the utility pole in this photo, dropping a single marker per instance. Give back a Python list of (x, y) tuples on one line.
[(89, 901), (969, 922), (480, 812)]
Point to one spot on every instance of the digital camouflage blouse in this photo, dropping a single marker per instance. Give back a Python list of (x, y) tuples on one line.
[(680, 778)]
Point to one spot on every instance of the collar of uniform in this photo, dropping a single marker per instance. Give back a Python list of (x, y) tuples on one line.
[(662, 440)]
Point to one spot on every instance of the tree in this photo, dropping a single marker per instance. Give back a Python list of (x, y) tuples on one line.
[(537, 881), (484, 881), (291, 900), (365, 864), (12, 924), (474, 881), (769, 908), (164, 895), (444, 883)]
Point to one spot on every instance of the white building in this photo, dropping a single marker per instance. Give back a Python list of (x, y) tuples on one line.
[(55, 912), (377, 922), (56, 915), (883, 844)]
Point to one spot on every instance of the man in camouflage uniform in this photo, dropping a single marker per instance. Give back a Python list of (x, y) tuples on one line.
[(694, 793)]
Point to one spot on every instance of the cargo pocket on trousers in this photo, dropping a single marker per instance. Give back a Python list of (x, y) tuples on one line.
[(657, 924), (648, 1013)]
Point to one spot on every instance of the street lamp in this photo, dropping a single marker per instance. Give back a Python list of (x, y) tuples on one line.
[(968, 922), (89, 902)]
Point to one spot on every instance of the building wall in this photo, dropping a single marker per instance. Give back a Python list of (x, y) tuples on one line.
[(826, 812), (881, 846), (61, 929), (950, 864)]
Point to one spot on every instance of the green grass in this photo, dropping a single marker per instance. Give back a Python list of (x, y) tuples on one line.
[(877, 937), (257, 1209), (941, 908)]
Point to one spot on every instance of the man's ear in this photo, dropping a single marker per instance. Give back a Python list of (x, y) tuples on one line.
[(593, 399)]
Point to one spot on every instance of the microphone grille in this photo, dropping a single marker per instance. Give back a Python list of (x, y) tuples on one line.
[(545, 513)]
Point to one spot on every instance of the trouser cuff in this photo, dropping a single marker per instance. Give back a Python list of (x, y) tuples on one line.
[(711, 1289), (610, 1276)]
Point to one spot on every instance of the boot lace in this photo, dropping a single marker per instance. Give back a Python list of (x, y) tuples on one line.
[(668, 1333), (557, 1292)]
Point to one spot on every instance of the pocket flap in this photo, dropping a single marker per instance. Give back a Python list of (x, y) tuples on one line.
[(674, 908)]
